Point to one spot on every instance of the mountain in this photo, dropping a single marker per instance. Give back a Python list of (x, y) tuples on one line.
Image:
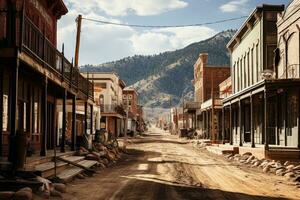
[(168, 74)]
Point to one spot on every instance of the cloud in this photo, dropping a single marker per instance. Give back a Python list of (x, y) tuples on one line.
[(125, 7), (103, 43), (234, 6), (166, 39)]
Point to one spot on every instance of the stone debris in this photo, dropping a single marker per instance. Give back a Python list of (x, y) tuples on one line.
[(289, 170), (6, 195)]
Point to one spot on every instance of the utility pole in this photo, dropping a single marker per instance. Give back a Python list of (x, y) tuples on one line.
[(78, 20), (183, 125)]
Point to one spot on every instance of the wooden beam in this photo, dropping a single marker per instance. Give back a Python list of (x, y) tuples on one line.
[(74, 131), (44, 119), (64, 121), (13, 109), (240, 123), (266, 121), (223, 125), (230, 124), (1, 109), (252, 122)]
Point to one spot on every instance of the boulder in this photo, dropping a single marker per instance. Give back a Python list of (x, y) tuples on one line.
[(290, 167), (266, 169), (46, 184), (286, 163), (279, 172), (250, 158), (296, 167), (289, 175), (247, 154), (92, 157), (256, 164), (55, 193), (6, 195), (60, 187), (23, 194)]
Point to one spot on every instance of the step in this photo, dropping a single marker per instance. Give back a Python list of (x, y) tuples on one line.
[(47, 169), (75, 159), (68, 174)]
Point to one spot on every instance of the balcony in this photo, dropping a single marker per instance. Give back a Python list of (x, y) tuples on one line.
[(112, 109), (33, 42)]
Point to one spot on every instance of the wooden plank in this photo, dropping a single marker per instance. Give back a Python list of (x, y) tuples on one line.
[(69, 174), (77, 165), (73, 158)]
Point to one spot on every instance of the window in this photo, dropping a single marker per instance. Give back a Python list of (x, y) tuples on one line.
[(5, 113), (248, 69), (257, 67), (252, 68), (245, 73), (130, 96), (25, 116), (270, 56), (238, 76), (35, 112)]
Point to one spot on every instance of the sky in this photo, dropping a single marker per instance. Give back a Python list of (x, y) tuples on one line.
[(104, 43)]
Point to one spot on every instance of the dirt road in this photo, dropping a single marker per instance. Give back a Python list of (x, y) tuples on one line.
[(163, 167)]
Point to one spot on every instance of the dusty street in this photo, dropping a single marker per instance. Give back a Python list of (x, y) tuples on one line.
[(161, 166)]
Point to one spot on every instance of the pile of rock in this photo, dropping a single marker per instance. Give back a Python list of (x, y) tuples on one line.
[(104, 154), (50, 189), (200, 143), (22, 194), (287, 169)]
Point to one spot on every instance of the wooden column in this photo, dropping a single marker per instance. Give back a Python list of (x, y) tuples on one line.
[(266, 120), (13, 109), (1, 109), (85, 118), (230, 124), (252, 122), (92, 121), (64, 121), (74, 131), (223, 125), (44, 119), (240, 123), (298, 119)]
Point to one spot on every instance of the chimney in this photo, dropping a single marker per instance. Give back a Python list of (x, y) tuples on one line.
[(203, 57)]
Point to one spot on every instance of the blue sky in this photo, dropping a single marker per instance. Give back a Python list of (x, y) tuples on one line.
[(104, 43)]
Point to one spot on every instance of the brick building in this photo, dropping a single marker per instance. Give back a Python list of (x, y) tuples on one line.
[(130, 99), (207, 79)]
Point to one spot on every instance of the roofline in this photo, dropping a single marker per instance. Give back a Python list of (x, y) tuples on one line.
[(263, 7)]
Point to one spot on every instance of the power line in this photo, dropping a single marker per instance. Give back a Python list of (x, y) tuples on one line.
[(164, 26)]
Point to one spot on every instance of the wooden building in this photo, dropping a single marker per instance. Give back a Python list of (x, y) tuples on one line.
[(206, 82), (36, 79), (108, 92), (264, 107)]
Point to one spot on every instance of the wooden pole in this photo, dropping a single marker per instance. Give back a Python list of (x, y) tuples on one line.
[(78, 20)]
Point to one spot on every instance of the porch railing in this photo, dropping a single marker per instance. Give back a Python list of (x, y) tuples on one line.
[(35, 43), (111, 108)]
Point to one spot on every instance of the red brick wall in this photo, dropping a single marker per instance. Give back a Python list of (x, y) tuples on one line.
[(213, 76), (134, 101)]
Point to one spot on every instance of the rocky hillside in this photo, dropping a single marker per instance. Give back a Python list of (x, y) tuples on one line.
[(168, 74)]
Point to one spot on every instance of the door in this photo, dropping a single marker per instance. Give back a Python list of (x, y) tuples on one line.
[(50, 125), (281, 119), (292, 119)]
